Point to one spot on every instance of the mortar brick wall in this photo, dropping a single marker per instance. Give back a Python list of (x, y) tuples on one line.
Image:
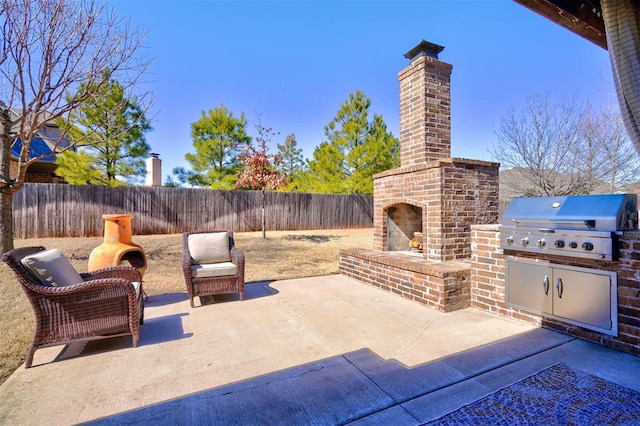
[(417, 186), (488, 287), (425, 111), (453, 194)]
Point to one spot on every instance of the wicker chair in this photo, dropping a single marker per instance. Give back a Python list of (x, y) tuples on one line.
[(211, 264), (104, 305)]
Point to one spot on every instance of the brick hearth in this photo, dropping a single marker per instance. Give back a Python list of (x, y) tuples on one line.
[(440, 285)]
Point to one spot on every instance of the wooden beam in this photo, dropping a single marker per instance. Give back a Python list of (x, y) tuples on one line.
[(574, 16)]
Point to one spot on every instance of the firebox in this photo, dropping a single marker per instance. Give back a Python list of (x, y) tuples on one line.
[(403, 222), (117, 248)]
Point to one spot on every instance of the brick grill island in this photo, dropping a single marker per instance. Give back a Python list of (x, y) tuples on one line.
[(488, 287), (454, 203), (430, 193)]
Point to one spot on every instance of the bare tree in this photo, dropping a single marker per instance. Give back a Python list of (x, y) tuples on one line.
[(537, 140), (607, 155), (54, 54), (562, 147)]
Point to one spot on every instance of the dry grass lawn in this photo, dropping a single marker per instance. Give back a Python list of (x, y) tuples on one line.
[(282, 255)]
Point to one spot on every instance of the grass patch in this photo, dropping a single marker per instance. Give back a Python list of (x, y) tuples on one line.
[(282, 255)]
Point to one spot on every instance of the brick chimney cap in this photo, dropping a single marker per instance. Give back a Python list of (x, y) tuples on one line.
[(424, 48)]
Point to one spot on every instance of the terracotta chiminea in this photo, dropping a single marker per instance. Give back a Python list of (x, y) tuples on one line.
[(117, 248)]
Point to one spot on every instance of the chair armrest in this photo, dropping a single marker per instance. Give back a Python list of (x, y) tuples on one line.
[(236, 257), (127, 272), (186, 258), (113, 273), (93, 289)]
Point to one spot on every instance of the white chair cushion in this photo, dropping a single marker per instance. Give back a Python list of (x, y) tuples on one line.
[(52, 267), (209, 248), (213, 270), (136, 285)]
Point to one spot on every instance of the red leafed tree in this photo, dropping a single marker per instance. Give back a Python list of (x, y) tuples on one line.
[(260, 171)]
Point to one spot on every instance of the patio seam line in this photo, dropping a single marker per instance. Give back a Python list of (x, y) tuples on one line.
[(487, 370), (453, 383), (393, 404)]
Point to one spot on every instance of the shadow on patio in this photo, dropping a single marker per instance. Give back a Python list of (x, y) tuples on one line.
[(324, 350), (359, 387)]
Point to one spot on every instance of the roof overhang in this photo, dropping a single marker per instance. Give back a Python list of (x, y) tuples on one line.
[(583, 17)]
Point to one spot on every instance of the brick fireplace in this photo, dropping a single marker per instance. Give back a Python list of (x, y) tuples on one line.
[(430, 193), (453, 202)]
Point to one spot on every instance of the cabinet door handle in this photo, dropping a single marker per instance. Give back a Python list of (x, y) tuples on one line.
[(559, 287), (545, 284)]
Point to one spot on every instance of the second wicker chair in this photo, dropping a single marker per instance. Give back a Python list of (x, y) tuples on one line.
[(211, 264)]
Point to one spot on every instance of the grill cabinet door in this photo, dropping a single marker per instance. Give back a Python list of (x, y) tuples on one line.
[(583, 297), (530, 286)]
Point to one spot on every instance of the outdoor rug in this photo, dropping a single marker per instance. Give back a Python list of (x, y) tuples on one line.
[(558, 395)]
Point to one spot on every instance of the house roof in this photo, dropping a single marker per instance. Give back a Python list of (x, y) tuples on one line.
[(37, 148), (43, 143), (583, 17)]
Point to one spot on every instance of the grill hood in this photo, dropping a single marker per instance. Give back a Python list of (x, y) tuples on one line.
[(602, 212)]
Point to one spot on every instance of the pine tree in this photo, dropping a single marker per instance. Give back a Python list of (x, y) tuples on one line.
[(218, 138), (109, 132), (354, 151), (292, 162)]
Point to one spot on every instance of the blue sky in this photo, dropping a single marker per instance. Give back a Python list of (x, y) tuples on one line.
[(295, 62)]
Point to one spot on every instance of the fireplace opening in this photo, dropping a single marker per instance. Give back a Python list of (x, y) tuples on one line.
[(403, 222)]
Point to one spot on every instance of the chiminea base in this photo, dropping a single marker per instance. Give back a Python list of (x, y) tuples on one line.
[(117, 254)]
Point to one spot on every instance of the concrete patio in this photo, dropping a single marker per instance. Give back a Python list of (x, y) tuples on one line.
[(323, 350)]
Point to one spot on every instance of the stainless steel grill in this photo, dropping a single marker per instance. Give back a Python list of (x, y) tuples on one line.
[(584, 226)]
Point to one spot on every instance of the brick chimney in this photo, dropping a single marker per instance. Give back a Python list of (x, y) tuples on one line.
[(425, 106)]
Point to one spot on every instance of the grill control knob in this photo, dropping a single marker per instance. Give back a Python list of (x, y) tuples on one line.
[(558, 243), (587, 246), (524, 241), (510, 239), (573, 244), (541, 243)]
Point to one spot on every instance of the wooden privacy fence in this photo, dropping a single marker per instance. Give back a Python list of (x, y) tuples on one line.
[(52, 210)]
